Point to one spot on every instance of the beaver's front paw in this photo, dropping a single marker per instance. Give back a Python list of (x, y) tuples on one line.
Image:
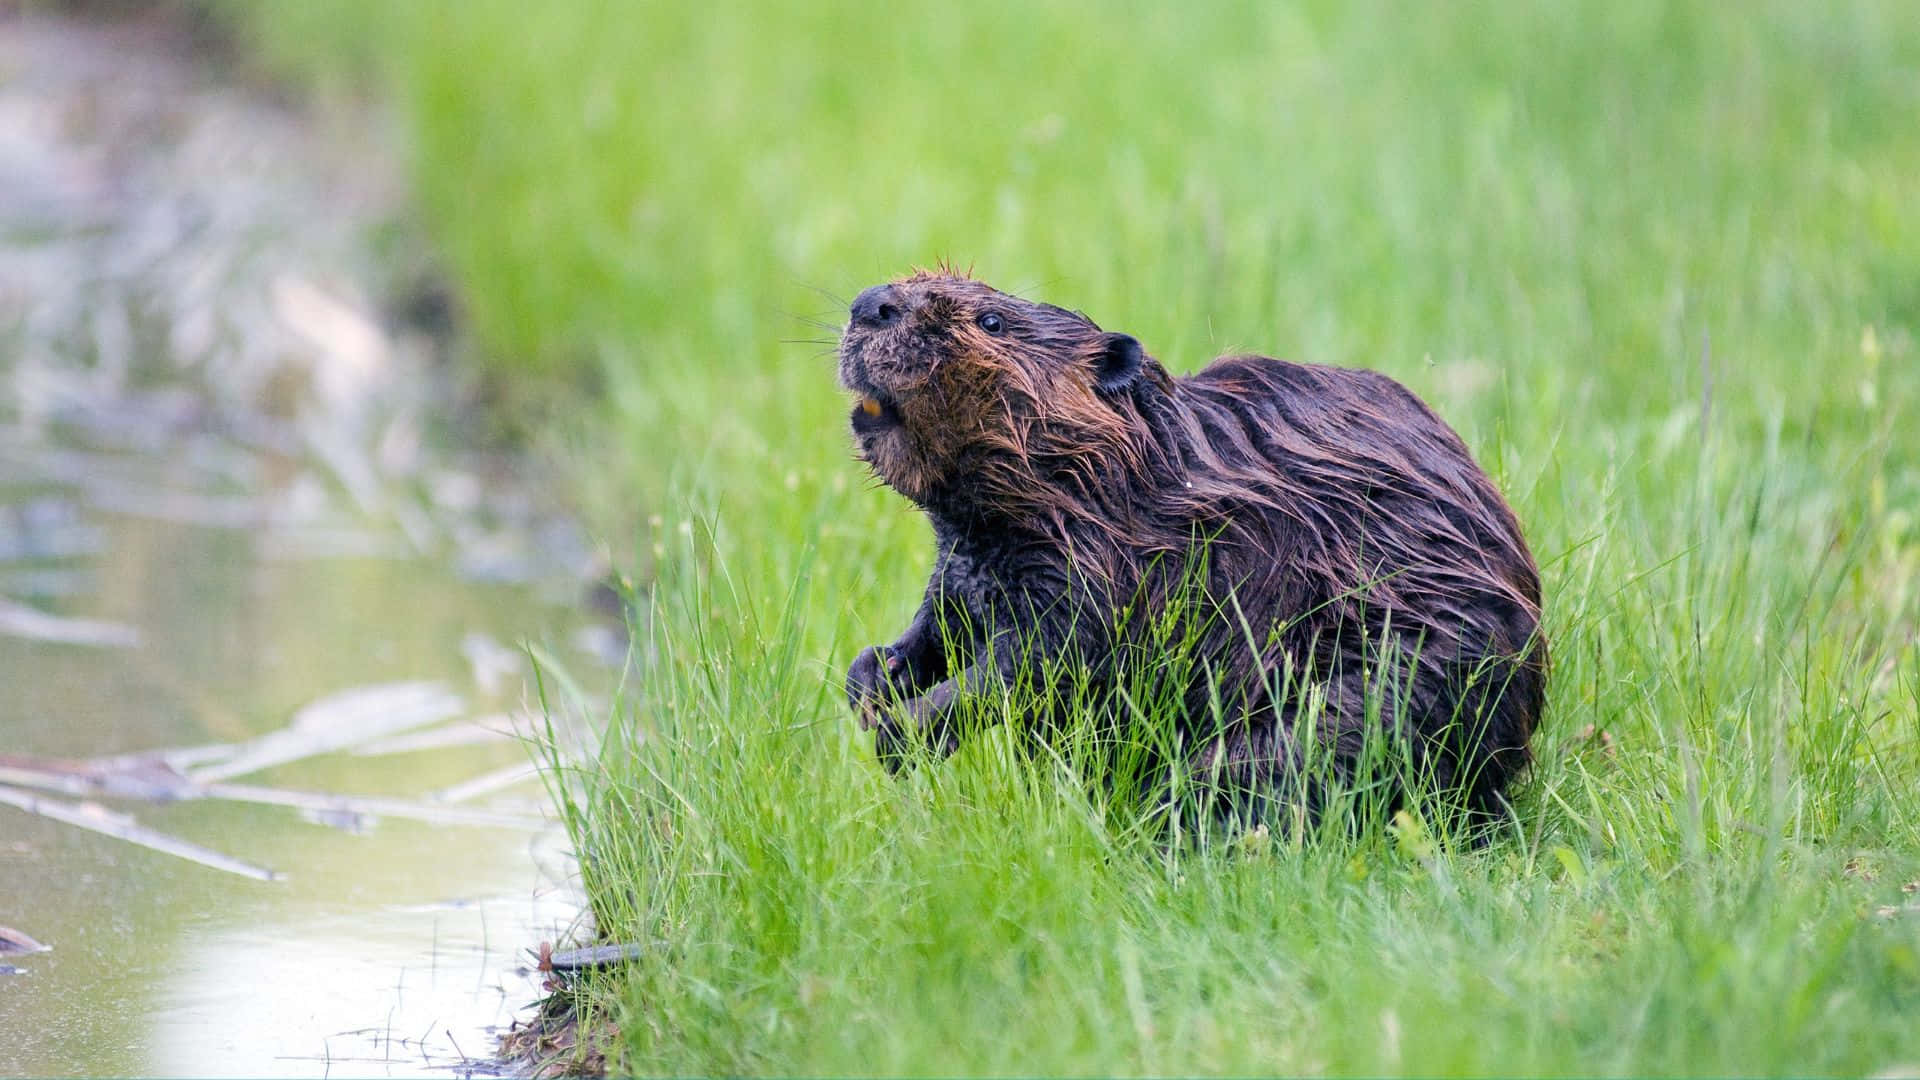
[(872, 682), (892, 744), (903, 731)]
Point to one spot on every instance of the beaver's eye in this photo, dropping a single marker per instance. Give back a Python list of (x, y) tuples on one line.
[(990, 322)]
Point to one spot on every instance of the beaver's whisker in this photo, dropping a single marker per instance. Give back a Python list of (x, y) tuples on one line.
[(839, 301), (817, 323)]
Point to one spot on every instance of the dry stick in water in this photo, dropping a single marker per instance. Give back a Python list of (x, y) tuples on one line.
[(487, 729), (486, 783), (19, 620), (340, 721), (371, 806), (150, 780), (90, 780), (96, 818), (18, 943)]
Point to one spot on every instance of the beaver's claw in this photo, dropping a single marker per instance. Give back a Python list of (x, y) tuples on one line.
[(898, 730), (891, 744), (874, 682)]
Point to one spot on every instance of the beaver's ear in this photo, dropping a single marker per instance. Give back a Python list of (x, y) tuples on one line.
[(1119, 363)]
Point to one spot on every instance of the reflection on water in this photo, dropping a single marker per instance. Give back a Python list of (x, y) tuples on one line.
[(219, 505), (436, 978), (399, 950)]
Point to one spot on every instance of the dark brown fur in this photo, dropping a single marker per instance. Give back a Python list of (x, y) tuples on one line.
[(1361, 574)]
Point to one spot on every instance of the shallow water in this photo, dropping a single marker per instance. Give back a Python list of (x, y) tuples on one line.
[(390, 950), (226, 505)]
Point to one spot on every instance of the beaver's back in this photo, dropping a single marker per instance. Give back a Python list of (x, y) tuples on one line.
[(1356, 462), (1353, 515)]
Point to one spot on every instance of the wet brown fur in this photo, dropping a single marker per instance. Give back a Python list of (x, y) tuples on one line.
[(1358, 563)]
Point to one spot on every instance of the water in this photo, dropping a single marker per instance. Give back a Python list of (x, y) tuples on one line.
[(403, 943), (226, 497)]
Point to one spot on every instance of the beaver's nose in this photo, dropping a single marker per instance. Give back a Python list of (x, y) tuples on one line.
[(877, 307)]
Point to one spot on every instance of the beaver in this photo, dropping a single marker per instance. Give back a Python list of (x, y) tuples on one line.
[(1360, 581)]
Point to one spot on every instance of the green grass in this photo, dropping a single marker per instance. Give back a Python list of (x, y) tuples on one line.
[(1659, 264)]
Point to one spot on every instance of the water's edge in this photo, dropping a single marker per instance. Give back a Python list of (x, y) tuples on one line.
[(257, 600)]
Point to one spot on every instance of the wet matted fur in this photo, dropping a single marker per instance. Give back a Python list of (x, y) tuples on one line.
[(1344, 573)]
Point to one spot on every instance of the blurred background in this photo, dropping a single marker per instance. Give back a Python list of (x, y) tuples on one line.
[(350, 344), (1565, 198)]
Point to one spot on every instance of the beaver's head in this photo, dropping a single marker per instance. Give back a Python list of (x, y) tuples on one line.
[(965, 393)]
